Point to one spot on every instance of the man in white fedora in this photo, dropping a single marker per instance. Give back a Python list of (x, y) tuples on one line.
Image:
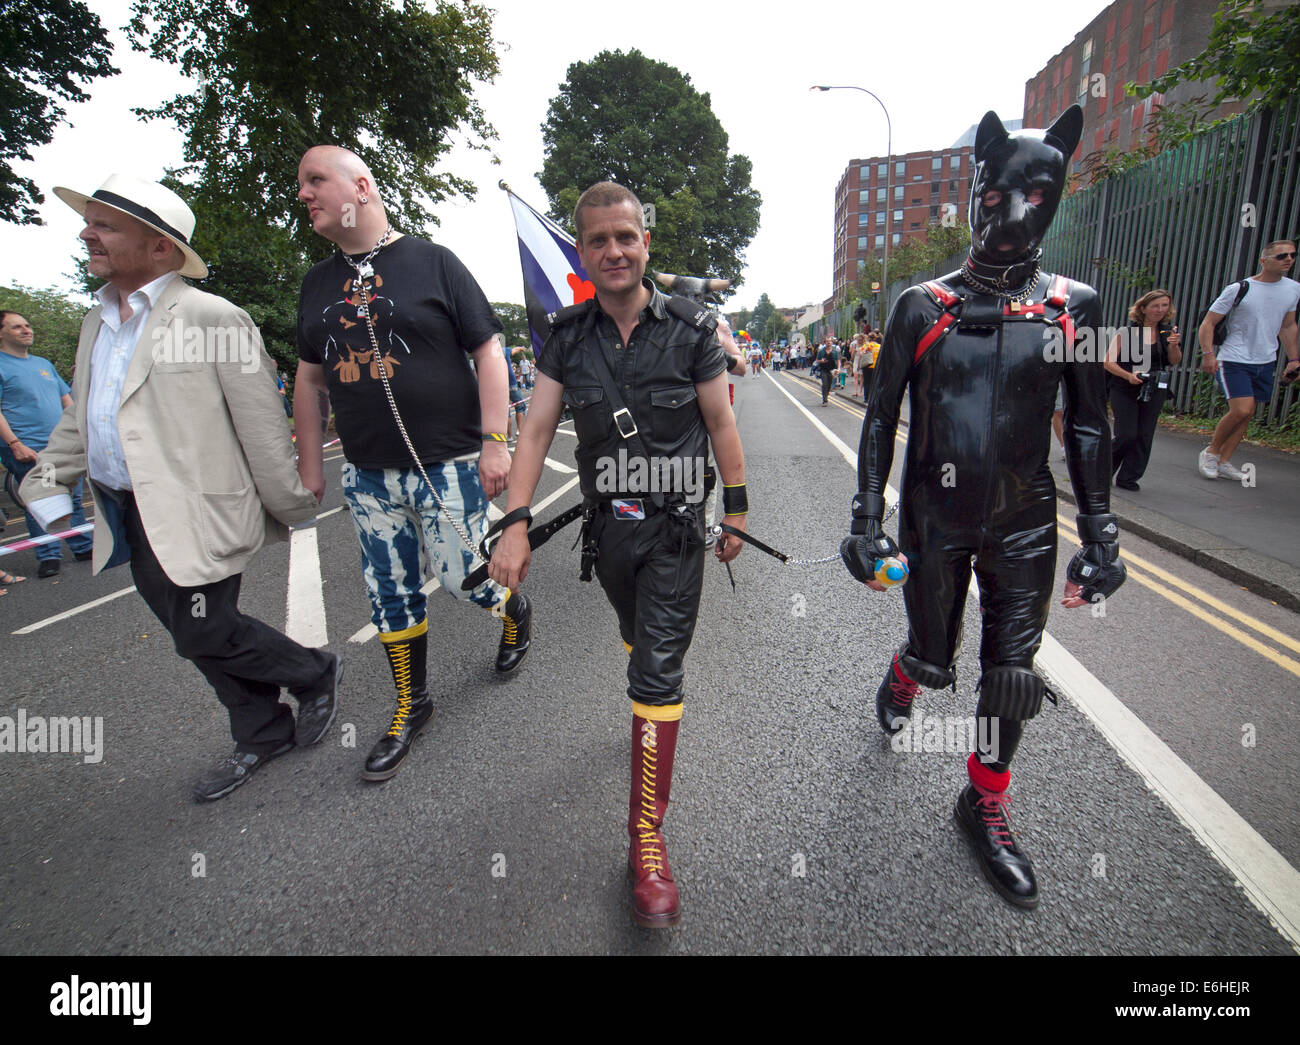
[(178, 424)]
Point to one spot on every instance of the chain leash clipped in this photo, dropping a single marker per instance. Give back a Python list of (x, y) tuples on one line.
[(718, 530), (365, 268)]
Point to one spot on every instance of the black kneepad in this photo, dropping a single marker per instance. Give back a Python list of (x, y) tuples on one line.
[(1011, 692)]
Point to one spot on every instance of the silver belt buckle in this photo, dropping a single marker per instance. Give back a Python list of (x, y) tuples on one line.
[(622, 430)]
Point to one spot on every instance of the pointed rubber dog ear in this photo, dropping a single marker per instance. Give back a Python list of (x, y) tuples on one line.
[(990, 132), (1066, 131)]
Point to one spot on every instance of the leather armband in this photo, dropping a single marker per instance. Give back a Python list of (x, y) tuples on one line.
[(867, 509), (1102, 528), (735, 500)]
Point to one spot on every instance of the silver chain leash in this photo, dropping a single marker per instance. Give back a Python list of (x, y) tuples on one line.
[(365, 268)]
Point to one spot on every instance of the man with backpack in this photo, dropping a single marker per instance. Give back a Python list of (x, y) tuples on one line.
[(1263, 309)]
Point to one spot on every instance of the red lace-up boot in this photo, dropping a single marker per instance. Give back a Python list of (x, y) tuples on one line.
[(654, 741)]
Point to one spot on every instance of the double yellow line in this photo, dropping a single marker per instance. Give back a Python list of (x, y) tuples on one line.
[(1154, 575)]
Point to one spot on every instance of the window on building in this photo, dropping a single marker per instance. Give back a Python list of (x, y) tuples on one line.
[(952, 186), (864, 218), (880, 194), (880, 217), (954, 162), (862, 243), (915, 225), (898, 238), (864, 197), (916, 202), (934, 188), (936, 163), (898, 194), (880, 241), (882, 171), (898, 216), (934, 212), (900, 168)]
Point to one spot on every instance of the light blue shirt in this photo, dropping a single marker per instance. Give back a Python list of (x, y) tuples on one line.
[(109, 360)]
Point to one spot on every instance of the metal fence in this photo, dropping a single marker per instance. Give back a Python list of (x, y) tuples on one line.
[(1192, 220)]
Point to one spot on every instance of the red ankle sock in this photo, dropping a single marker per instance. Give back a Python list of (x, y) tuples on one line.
[(986, 777)]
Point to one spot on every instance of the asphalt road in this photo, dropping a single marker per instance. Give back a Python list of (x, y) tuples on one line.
[(794, 828)]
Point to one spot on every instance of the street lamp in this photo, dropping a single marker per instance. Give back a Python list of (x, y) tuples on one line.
[(889, 182)]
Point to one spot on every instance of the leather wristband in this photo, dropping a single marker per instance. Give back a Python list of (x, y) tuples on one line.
[(868, 509), (735, 500), (1101, 528)]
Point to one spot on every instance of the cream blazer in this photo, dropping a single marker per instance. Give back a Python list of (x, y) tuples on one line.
[(204, 435)]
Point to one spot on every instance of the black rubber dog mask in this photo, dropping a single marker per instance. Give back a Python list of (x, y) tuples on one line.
[(1018, 185)]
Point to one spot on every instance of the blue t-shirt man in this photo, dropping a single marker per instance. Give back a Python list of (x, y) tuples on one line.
[(31, 403)]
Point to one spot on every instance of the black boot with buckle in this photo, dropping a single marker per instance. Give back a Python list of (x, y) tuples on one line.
[(406, 656)]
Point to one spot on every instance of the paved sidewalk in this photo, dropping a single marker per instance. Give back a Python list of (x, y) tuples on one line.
[(1247, 534)]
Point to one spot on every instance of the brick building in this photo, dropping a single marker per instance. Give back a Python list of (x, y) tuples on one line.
[(1131, 41), (925, 186)]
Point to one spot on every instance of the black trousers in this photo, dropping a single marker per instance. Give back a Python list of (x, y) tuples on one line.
[(826, 384), (654, 586), (246, 661), (1135, 427)]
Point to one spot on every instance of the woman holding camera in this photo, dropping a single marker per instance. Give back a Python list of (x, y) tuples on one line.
[(1138, 363)]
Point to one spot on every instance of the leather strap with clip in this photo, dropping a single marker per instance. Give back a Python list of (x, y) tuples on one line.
[(537, 536)]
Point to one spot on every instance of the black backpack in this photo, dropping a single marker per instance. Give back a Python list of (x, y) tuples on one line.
[(1221, 331)]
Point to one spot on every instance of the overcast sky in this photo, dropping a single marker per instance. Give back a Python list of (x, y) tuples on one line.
[(938, 66)]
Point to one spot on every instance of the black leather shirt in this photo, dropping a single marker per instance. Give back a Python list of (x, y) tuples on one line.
[(655, 372)]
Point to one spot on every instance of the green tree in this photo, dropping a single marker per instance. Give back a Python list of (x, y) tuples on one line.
[(761, 314), (514, 321), (274, 78), (1254, 52), (55, 320), (630, 119), (46, 46)]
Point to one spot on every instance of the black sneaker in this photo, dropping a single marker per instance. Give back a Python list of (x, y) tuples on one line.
[(316, 714), (234, 770), (49, 567), (83, 556), (516, 633)]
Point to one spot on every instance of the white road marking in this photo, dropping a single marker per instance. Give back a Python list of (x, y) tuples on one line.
[(304, 618), (557, 466), (1270, 882), (72, 612), (566, 431)]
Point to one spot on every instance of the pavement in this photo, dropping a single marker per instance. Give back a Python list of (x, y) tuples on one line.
[(1246, 532)]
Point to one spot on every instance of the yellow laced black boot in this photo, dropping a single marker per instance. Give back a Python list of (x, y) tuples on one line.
[(407, 652), (517, 631)]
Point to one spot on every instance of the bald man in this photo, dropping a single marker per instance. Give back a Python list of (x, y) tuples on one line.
[(391, 319)]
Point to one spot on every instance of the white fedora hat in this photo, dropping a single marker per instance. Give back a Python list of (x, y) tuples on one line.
[(147, 201)]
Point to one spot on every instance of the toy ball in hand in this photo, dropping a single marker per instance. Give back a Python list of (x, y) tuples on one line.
[(891, 571)]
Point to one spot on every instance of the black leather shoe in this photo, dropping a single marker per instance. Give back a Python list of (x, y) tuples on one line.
[(516, 634), (234, 770), (894, 699), (387, 755), (316, 714), (83, 556), (48, 567), (983, 816)]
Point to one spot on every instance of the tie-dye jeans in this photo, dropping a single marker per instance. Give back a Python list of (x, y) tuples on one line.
[(401, 529)]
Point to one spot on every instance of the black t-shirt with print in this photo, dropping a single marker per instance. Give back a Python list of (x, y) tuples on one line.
[(429, 313)]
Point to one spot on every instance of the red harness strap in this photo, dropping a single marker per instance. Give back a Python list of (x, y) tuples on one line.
[(1058, 296), (946, 299)]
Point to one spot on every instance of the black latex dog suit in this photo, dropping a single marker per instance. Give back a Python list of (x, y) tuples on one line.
[(981, 352)]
